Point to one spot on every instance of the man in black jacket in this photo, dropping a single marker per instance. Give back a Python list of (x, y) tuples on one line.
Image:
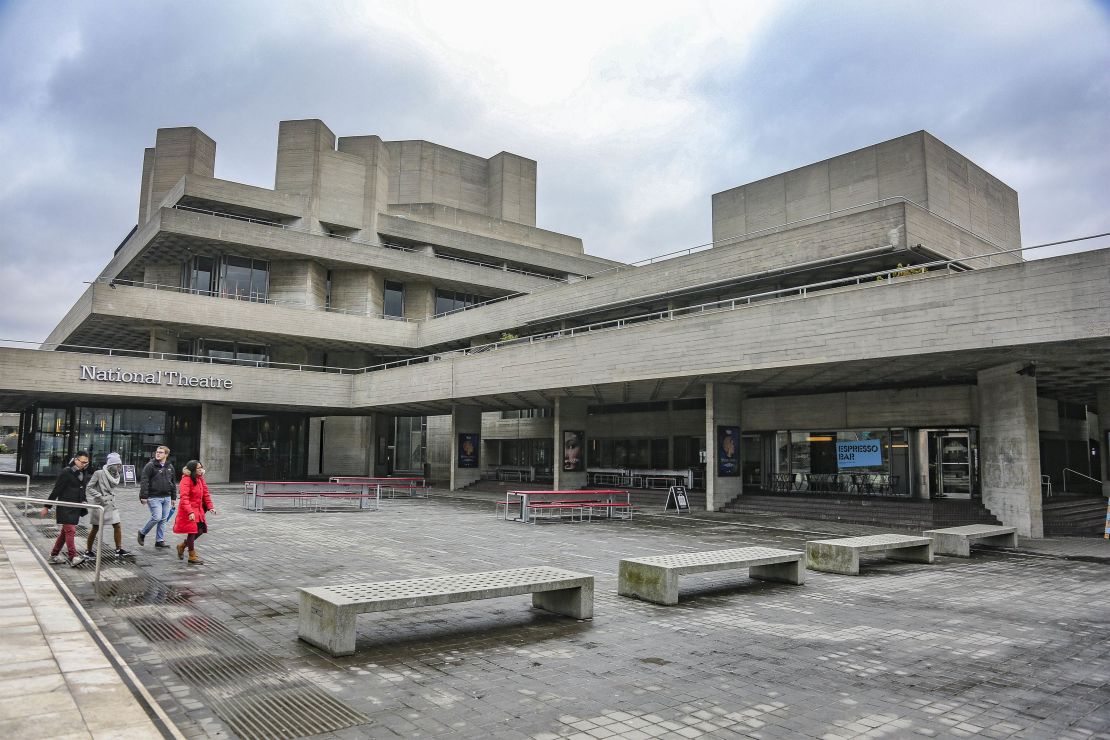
[(69, 487), (158, 490)]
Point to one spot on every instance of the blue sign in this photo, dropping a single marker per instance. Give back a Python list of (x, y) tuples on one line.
[(863, 453)]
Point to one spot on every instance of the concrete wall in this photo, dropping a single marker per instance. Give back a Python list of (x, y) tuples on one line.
[(163, 273), (512, 188), (917, 167), (911, 407), (177, 152), (1009, 448)]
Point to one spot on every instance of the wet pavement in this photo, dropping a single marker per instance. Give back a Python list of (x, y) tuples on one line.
[(1005, 644)]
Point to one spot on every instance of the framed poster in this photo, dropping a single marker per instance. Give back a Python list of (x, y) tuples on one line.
[(573, 450), (128, 476), (728, 451), (468, 450)]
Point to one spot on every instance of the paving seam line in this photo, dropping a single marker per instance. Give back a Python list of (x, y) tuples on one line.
[(155, 712)]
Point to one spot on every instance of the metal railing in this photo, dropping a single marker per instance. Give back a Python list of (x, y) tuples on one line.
[(26, 481), (381, 244), (1081, 475), (100, 524)]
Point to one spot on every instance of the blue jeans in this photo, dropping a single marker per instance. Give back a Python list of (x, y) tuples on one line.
[(159, 514)]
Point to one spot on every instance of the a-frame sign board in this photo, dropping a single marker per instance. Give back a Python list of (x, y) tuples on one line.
[(676, 496)]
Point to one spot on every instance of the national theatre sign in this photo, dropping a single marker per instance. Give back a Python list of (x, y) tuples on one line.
[(158, 377)]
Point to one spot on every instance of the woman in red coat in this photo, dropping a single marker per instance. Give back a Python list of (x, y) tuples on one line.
[(193, 502)]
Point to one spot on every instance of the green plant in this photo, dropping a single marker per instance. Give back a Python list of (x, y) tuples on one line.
[(508, 336)]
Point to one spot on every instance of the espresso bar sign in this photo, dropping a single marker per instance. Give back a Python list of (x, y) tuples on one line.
[(158, 377)]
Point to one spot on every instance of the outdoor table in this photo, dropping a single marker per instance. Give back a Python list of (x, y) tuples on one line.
[(526, 496)]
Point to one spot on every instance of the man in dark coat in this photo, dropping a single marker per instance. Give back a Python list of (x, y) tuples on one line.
[(69, 487), (158, 490)]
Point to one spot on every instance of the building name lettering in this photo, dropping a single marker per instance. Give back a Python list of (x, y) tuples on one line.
[(158, 377)]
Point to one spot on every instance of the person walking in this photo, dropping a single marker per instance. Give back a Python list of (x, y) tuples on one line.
[(194, 505), (69, 487), (101, 490), (158, 491)]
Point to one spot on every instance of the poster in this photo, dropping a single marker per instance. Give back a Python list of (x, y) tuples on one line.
[(863, 453), (728, 451), (573, 446), (468, 450)]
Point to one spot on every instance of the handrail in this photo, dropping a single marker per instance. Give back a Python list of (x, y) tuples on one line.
[(1081, 475), (26, 481), (251, 298), (84, 505), (382, 244), (878, 278)]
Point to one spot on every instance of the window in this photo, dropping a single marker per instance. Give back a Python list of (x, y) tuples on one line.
[(527, 414), (235, 277), (450, 300), (244, 278), (393, 303), (233, 352), (200, 273)]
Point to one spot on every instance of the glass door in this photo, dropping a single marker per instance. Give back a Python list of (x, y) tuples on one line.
[(949, 464)]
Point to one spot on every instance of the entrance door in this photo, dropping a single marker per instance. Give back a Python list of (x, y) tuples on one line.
[(949, 464)]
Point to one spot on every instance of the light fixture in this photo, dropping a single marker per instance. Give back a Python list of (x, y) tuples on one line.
[(820, 438)]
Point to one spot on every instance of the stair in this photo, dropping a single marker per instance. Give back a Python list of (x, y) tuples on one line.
[(1074, 516), (892, 512)]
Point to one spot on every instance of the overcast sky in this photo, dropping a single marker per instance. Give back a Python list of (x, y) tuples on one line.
[(636, 111)]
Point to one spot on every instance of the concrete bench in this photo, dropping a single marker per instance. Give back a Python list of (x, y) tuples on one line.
[(957, 540), (842, 555), (656, 578), (327, 613)]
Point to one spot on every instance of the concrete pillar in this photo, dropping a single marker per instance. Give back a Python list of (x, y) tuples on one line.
[(215, 442), (570, 415), (162, 340), (465, 420), (722, 409), (1009, 447), (346, 443), (1103, 401)]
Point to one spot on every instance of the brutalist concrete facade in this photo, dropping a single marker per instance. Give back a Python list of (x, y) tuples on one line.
[(389, 303)]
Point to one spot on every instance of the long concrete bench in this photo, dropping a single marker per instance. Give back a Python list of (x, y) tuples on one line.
[(957, 540), (655, 578), (842, 555), (327, 613)]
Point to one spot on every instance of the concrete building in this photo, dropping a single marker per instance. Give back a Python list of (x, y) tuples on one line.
[(865, 325)]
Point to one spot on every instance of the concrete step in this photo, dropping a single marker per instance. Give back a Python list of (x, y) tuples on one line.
[(905, 513)]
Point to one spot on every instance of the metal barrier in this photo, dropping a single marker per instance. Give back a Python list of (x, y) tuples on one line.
[(100, 525)]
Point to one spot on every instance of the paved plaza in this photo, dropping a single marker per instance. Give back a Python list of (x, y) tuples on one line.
[(1009, 643)]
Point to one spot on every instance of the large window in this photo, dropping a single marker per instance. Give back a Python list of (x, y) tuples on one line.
[(232, 277), (268, 446), (629, 453), (234, 353), (244, 278), (451, 300), (410, 453), (393, 303)]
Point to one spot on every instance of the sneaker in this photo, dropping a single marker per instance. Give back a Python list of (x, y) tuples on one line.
[(121, 553), (58, 559), (77, 560), (89, 555), (142, 538), (160, 543)]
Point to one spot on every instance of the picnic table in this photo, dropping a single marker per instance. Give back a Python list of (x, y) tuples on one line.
[(526, 504)]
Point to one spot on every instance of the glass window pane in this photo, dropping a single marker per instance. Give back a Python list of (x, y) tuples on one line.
[(237, 277), (394, 299)]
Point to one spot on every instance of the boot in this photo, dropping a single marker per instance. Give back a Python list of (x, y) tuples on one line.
[(181, 551), (194, 559)]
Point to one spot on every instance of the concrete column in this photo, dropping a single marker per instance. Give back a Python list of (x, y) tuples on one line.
[(1009, 447), (346, 445), (464, 420), (215, 442), (1103, 401), (722, 408), (162, 340), (570, 415)]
